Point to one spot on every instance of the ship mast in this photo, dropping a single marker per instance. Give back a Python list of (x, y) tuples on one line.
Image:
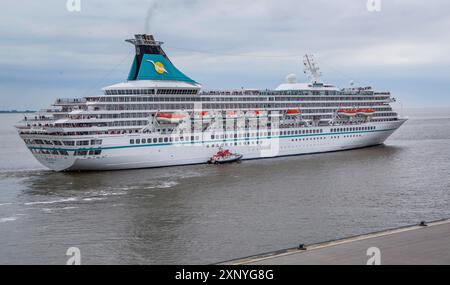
[(311, 69)]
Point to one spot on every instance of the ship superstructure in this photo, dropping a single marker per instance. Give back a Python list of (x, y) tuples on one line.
[(161, 117)]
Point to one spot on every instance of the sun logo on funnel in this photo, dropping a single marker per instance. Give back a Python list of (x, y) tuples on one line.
[(159, 67)]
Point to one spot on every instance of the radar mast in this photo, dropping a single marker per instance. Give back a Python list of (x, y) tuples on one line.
[(311, 69)]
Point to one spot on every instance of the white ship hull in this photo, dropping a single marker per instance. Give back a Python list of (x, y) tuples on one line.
[(117, 153)]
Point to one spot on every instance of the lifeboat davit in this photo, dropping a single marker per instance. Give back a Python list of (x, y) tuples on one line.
[(347, 112), (170, 118), (231, 114), (366, 112), (293, 112)]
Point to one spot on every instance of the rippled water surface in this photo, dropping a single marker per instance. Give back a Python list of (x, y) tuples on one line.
[(206, 214)]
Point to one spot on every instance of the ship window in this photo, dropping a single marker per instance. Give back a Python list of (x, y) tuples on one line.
[(82, 142), (57, 142), (138, 141), (97, 152), (155, 140), (166, 139), (160, 140), (131, 141), (69, 143)]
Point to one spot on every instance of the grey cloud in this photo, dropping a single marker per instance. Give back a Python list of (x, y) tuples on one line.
[(225, 43)]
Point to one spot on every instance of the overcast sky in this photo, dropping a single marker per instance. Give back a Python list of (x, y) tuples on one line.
[(48, 52)]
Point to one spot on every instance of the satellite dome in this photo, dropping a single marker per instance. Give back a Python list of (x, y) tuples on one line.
[(291, 78)]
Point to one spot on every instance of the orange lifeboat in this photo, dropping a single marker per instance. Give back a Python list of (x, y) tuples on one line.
[(202, 115), (170, 118), (347, 112), (366, 112), (256, 114), (293, 112)]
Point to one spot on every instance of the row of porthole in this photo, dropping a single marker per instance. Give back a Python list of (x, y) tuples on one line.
[(352, 136), (323, 138), (235, 144)]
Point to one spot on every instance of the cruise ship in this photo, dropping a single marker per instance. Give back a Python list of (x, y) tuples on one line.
[(161, 117)]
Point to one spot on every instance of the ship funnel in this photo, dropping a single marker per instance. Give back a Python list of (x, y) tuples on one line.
[(151, 62), (146, 44)]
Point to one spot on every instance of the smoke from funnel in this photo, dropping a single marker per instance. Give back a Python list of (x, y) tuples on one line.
[(150, 12)]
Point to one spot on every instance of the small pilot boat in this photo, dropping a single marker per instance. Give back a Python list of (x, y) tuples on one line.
[(224, 156)]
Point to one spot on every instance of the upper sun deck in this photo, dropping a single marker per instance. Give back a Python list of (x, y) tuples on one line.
[(306, 87), (149, 87)]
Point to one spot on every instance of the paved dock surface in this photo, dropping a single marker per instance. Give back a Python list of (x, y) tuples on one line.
[(409, 245)]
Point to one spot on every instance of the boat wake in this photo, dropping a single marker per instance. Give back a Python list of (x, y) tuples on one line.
[(51, 202), (9, 219)]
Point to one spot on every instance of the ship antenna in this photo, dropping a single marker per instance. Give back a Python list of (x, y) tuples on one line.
[(311, 69)]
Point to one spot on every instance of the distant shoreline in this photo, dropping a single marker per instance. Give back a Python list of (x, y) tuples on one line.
[(16, 112)]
